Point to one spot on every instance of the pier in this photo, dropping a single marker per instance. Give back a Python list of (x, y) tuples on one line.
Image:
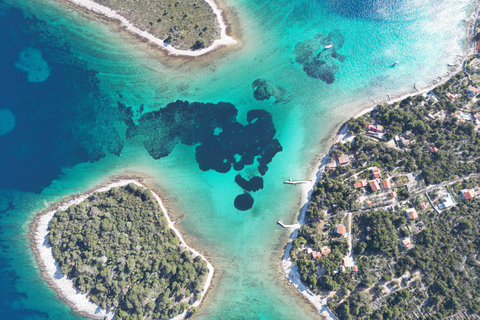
[(297, 182), (280, 222)]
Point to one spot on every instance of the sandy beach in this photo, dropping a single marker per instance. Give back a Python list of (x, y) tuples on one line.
[(224, 40), (78, 301)]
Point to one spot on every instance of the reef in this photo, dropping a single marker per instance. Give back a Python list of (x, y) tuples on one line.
[(222, 143), (320, 57), (263, 90)]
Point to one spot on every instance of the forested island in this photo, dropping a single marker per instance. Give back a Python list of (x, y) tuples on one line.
[(392, 226), (117, 248)]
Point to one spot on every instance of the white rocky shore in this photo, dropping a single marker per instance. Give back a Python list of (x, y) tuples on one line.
[(224, 40), (78, 301)]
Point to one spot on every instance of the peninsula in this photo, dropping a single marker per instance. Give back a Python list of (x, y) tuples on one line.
[(391, 227), (182, 28), (112, 252)]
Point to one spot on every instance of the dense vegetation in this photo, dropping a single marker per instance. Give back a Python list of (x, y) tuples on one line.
[(186, 25), (329, 194), (427, 268), (116, 247), (457, 141), (445, 257)]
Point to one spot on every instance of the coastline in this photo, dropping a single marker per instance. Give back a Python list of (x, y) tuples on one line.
[(50, 270), (225, 40), (341, 135)]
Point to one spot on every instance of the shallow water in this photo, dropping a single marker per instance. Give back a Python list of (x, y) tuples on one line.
[(70, 134)]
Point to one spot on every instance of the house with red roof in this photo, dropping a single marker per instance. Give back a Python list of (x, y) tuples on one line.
[(316, 254), (343, 159), (360, 184), (467, 194), (376, 172), (340, 229), (392, 195), (386, 184), (411, 214), (325, 251), (450, 96), (423, 206), (374, 185), (472, 91), (355, 268), (379, 128), (406, 242)]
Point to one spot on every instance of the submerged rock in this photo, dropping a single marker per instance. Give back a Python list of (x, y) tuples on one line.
[(320, 57), (222, 143), (264, 90)]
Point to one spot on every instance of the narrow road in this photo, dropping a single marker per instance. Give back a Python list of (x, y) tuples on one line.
[(416, 194)]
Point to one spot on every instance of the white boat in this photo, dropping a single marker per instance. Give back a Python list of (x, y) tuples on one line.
[(329, 46)]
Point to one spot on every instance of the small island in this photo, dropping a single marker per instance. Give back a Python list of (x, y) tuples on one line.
[(119, 251), (186, 28)]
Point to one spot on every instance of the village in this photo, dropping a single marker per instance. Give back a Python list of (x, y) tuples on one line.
[(400, 170)]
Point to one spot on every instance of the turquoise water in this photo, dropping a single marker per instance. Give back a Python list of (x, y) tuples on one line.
[(69, 136)]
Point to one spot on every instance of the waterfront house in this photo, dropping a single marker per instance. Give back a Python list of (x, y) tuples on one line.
[(411, 214), (450, 96), (467, 194), (343, 159), (379, 129)]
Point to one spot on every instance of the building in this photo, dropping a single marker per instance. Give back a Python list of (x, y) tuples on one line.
[(477, 117), (406, 242), (433, 149), (379, 129), (472, 91), (371, 127), (447, 203), (392, 195), (360, 184), (423, 206), (404, 142), (386, 184), (450, 96), (316, 254), (340, 229), (467, 194), (343, 159), (376, 172), (374, 185), (355, 269), (342, 268), (465, 116), (326, 251), (411, 214)]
